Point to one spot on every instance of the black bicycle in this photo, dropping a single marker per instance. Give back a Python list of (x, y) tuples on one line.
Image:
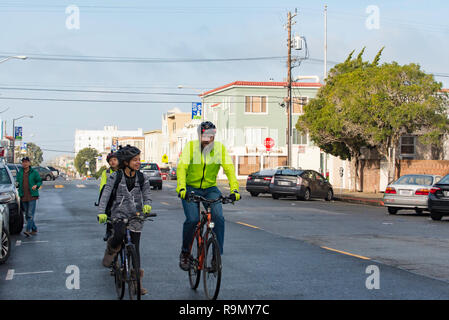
[(205, 251), (126, 266)]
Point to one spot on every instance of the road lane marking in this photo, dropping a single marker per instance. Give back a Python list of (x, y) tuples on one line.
[(166, 203), (80, 186), (59, 186), (347, 253), (18, 243), (10, 275), (26, 242), (248, 225)]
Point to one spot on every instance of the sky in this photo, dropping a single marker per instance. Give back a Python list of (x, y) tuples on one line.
[(64, 63)]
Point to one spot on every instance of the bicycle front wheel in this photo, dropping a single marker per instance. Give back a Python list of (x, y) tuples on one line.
[(118, 270), (212, 267), (195, 267), (133, 274)]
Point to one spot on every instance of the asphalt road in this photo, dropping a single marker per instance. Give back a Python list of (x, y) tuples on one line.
[(274, 249)]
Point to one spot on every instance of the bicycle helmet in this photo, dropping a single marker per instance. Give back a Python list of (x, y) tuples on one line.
[(127, 153), (207, 126), (110, 156)]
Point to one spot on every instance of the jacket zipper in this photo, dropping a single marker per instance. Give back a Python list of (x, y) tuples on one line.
[(204, 169)]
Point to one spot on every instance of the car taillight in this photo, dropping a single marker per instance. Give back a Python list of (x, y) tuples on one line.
[(390, 190), (434, 190), (298, 181), (267, 179), (422, 192), (249, 177), (272, 180)]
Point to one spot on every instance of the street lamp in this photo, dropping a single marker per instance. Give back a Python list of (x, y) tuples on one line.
[(14, 57), (14, 134)]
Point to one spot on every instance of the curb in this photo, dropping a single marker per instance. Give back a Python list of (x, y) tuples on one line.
[(370, 202)]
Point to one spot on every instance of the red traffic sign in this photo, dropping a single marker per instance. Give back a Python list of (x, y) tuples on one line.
[(269, 143)]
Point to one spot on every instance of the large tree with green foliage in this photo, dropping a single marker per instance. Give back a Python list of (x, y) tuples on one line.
[(363, 104), (35, 154), (86, 155)]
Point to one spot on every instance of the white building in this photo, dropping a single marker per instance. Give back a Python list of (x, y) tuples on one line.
[(101, 140), (153, 146)]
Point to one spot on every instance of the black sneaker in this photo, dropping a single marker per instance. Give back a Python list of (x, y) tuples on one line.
[(184, 261)]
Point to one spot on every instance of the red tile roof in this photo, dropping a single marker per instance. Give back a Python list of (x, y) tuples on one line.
[(263, 84)]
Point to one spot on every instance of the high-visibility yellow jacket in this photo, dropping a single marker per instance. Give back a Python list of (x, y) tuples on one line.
[(200, 169)]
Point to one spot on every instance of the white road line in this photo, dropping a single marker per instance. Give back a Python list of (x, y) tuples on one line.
[(10, 275), (26, 242), (18, 243), (80, 186)]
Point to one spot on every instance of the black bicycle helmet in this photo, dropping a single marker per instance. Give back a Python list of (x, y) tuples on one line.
[(207, 125), (110, 156), (127, 153)]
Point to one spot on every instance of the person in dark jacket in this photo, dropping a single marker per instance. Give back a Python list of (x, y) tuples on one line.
[(29, 183)]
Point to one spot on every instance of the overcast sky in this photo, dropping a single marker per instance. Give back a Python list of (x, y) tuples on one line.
[(411, 31)]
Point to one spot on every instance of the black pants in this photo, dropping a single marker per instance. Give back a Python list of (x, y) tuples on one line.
[(120, 234)]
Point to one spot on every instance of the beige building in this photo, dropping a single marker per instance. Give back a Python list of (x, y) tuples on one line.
[(153, 146), (173, 122)]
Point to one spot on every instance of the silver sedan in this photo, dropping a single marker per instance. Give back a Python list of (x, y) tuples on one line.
[(409, 192)]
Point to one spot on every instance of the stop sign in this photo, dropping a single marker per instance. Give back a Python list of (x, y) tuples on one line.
[(269, 143)]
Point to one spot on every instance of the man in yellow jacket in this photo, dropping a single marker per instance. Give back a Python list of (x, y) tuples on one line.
[(198, 168)]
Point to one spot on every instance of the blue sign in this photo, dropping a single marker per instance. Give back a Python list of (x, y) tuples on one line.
[(18, 133), (23, 146), (197, 108)]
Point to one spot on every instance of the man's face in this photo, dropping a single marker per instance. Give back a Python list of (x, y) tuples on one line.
[(26, 164), (207, 137), (113, 163)]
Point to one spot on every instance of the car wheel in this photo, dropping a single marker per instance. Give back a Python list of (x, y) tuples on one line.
[(307, 195), (159, 187), (254, 194), (436, 216), (5, 247), (392, 210), (275, 196), (48, 178), (16, 224), (330, 195)]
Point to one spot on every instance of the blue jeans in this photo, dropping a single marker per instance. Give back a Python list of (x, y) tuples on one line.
[(30, 209), (192, 217)]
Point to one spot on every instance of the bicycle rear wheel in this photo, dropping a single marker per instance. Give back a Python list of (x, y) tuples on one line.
[(195, 268), (212, 267), (118, 270), (133, 274)]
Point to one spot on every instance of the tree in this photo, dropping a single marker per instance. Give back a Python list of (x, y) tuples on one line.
[(367, 105), (35, 154), (86, 155)]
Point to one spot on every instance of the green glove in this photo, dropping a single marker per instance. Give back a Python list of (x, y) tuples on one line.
[(235, 195), (182, 193), (146, 209), (102, 218)]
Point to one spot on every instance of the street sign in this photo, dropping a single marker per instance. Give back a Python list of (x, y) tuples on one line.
[(18, 133), (197, 109), (269, 143), (341, 172), (164, 158)]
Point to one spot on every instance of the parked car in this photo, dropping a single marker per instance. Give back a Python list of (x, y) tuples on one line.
[(54, 171), (45, 173), (172, 174), (5, 241), (410, 191), (151, 170), (259, 182), (304, 184), (438, 201), (14, 168), (164, 172), (10, 196)]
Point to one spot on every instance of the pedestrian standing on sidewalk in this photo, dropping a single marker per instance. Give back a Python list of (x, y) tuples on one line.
[(29, 182)]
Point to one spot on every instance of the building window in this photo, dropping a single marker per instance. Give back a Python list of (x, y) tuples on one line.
[(408, 146), (255, 136), (299, 137), (174, 127), (298, 104), (256, 104)]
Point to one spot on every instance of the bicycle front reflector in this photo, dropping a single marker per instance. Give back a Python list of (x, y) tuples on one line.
[(211, 225)]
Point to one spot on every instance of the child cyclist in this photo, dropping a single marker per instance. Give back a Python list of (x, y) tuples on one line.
[(132, 196)]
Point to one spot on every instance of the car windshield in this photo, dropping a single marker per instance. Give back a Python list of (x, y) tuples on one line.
[(418, 180), (149, 166), (444, 180), (289, 172), (266, 172), (4, 176)]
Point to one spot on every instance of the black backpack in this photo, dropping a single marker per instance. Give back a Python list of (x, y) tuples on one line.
[(119, 177)]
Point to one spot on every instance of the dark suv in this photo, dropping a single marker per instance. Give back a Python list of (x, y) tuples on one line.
[(45, 173), (303, 184)]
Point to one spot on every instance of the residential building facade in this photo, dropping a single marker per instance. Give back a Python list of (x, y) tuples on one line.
[(173, 122), (153, 146)]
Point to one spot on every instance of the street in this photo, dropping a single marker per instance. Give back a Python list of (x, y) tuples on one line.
[(274, 249)]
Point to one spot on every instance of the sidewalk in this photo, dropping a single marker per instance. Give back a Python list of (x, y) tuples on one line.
[(373, 199)]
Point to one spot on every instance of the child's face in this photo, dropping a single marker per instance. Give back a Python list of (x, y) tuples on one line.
[(113, 162)]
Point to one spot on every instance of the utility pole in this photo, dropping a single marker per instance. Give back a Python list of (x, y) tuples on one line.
[(289, 88), (325, 42)]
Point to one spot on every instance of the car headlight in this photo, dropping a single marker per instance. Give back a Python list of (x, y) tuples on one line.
[(6, 197)]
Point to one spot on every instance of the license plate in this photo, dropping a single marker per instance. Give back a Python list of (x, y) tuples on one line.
[(257, 180), (405, 192), (446, 193), (283, 183)]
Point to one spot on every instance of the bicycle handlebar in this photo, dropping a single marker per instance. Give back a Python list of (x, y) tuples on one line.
[(197, 198), (137, 217)]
